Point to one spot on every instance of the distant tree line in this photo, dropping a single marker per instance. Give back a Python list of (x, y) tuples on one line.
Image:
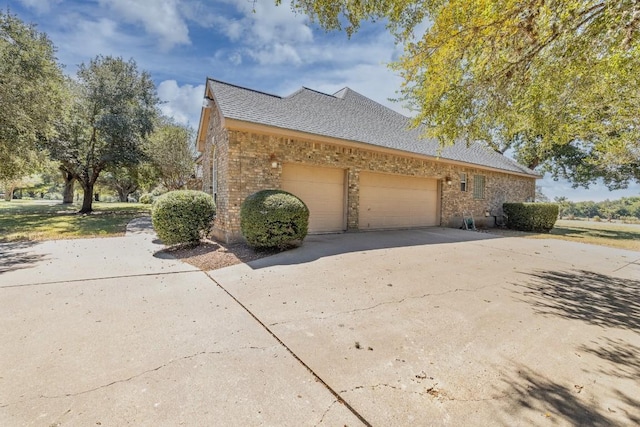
[(624, 208)]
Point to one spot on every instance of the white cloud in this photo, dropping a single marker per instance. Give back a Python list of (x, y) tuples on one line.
[(40, 6), (276, 54), (235, 58), (83, 39), (183, 103), (270, 34), (161, 18)]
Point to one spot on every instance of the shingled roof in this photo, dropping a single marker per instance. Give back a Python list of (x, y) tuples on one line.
[(349, 116)]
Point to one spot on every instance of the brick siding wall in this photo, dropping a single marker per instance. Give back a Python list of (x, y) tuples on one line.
[(244, 167)]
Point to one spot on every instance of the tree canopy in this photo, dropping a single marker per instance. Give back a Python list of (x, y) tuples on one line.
[(557, 81), (172, 152), (31, 95), (110, 114)]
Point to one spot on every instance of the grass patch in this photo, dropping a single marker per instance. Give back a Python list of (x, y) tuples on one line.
[(622, 236), (45, 220)]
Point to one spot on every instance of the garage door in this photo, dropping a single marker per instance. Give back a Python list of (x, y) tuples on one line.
[(322, 190), (396, 201)]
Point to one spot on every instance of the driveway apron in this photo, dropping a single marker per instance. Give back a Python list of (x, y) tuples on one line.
[(102, 332)]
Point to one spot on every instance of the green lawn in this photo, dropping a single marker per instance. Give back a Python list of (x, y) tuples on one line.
[(45, 219), (623, 236)]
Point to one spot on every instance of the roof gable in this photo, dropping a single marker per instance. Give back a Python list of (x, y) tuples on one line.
[(350, 116)]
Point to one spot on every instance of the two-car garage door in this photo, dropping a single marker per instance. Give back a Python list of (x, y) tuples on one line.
[(386, 200), (397, 201)]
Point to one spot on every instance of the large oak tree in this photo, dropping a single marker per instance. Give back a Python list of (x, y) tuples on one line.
[(31, 95), (558, 81), (111, 112)]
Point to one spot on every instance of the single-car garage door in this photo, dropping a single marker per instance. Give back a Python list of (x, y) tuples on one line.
[(322, 190), (396, 201)]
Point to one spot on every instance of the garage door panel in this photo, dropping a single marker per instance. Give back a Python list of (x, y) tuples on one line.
[(396, 201), (322, 190)]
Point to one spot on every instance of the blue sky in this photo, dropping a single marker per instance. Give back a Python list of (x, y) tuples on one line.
[(181, 42)]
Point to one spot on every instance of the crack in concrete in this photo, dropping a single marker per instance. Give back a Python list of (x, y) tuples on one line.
[(157, 368), (431, 391), (93, 279), (326, 412), (375, 386), (637, 262), (572, 263), (58, 422), (400, 301)]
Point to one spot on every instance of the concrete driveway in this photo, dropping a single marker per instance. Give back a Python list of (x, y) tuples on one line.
[(426, 327), (449, 327), (101, 332)]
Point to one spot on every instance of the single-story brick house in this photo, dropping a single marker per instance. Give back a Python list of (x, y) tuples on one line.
[(355, 163)]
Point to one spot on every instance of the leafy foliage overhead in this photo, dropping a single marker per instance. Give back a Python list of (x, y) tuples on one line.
[(556, 80), (31, 94)]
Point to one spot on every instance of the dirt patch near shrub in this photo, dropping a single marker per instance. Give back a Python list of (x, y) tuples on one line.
[(212, 255)]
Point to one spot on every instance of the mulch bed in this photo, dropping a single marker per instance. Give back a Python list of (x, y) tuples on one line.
[(212, 255)]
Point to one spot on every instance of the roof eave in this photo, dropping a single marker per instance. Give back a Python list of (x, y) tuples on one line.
[(236, 124)]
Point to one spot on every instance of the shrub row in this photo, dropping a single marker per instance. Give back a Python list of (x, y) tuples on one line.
[(539, 217)]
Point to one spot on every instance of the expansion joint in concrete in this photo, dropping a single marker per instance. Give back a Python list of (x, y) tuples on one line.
[(295, 356)]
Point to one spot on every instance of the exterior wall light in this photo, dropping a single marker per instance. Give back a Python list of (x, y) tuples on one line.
[(274, 164), (448, 180)]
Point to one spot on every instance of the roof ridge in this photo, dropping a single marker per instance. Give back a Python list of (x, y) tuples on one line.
[(244, 88), (363, 98), (342, 92), (316, 91)]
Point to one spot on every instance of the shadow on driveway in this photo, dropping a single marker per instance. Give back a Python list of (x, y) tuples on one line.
[(588, 296), (15, 256), (621, 358), (325, 245), (547, 398)]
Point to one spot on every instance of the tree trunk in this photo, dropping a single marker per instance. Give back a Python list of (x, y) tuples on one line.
[(8, 194), (67, 194), (87, 199), (533, 163), (123, 195)]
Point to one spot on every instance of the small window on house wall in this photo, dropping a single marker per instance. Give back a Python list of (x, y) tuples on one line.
[(478, 187), (463, 182)]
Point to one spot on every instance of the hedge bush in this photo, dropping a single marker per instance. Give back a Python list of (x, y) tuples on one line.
[(183, 216), (146, 199), (539, 217), (274, 219)]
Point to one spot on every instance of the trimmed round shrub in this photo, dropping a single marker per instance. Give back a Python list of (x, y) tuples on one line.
[(158, 191), (183, 217), (146, 199), (274, 219), (540, 217)]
